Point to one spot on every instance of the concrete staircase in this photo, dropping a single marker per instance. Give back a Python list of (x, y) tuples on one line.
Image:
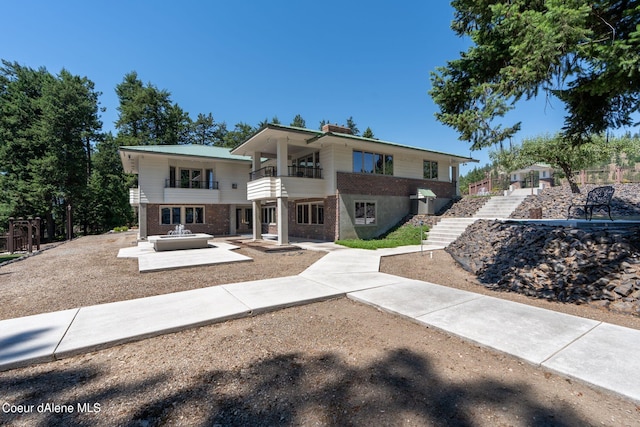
[(449, 229), (499, 207)]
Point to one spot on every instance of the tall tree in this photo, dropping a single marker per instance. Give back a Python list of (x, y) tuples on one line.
[(108, 205), (147, 116), (298, 122), (586, 53), (352, 125), (238, 135), (368, 133), (48, 126), (204, 130)]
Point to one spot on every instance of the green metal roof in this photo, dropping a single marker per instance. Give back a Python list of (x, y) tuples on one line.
[(193, 150), (425, 192)]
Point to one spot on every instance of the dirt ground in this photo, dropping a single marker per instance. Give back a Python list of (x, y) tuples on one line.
[(332, 363)]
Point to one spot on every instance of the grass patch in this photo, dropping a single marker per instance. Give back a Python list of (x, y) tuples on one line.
[(4, 258), (401, 236)]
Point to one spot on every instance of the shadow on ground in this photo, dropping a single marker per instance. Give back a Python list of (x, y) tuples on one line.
[(289, 389)]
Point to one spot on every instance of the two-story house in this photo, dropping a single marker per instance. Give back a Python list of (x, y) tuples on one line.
[(202, 187), (331, 185)]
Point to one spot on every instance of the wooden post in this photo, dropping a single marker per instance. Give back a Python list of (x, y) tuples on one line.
[(10, 247), (69, 223), (37, 225), (29, 235)]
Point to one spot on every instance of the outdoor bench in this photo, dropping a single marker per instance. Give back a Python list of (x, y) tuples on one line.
[(598, 198)]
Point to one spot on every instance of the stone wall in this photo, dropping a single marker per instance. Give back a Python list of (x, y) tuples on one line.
[(595, 266)]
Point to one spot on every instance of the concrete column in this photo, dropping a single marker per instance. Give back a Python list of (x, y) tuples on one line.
[(142, 221), (232, 220), (283, 220), (282, 161), (257, 220), (255, 162)]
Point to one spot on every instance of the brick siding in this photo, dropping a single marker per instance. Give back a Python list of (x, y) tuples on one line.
[(326, 231), (216, 220), (383, 185)]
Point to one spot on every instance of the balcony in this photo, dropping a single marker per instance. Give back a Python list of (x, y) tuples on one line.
[(190, 191), (134, 196), (200, 185), (293, 171)]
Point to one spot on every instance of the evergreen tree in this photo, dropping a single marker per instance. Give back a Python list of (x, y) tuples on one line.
[(352, 125), (148, 116), (298, 121), (204, 130), (108, 206), (238, 135), (368, 133), (48, 126), (583, 52)]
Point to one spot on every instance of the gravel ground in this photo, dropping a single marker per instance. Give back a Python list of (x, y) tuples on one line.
[(86, 271), (331, 363)]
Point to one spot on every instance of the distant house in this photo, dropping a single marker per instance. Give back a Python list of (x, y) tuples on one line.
[(330, 184), (204, 188), (537, 175)]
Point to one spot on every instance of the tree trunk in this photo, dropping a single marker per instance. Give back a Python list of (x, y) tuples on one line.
[(572, 183)]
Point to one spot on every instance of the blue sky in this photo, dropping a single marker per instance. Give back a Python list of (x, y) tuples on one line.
[(251, 60)]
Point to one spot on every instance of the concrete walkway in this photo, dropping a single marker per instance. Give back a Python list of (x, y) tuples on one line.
[(601, 354)]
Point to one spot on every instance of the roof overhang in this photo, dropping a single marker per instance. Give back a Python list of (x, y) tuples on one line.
[(298, 139)]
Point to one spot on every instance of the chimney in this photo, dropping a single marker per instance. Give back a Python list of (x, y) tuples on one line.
[(336, 129)]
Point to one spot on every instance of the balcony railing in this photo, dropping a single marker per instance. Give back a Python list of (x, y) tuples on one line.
[(297, 171), (263, 172), (305, 172), (201, 185)]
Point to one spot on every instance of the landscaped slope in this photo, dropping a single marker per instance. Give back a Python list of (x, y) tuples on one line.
[(596, 266)]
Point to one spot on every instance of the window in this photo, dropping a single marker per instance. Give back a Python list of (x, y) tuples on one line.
[(310, 213), (375, 163), (307, 166), (181, 215), (430, 169), (172, 177), (194, 215), (365, 213), (210, 184), (190, 178), (269, 215)]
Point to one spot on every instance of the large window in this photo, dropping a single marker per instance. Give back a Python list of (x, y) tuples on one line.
[(170, 215), (191, 178), (365, 213), (307, 166), (269, 215), (380, 164), (430, 169), (310, 213)]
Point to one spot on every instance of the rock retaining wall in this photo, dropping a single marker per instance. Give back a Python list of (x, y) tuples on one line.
[(595, 266)]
